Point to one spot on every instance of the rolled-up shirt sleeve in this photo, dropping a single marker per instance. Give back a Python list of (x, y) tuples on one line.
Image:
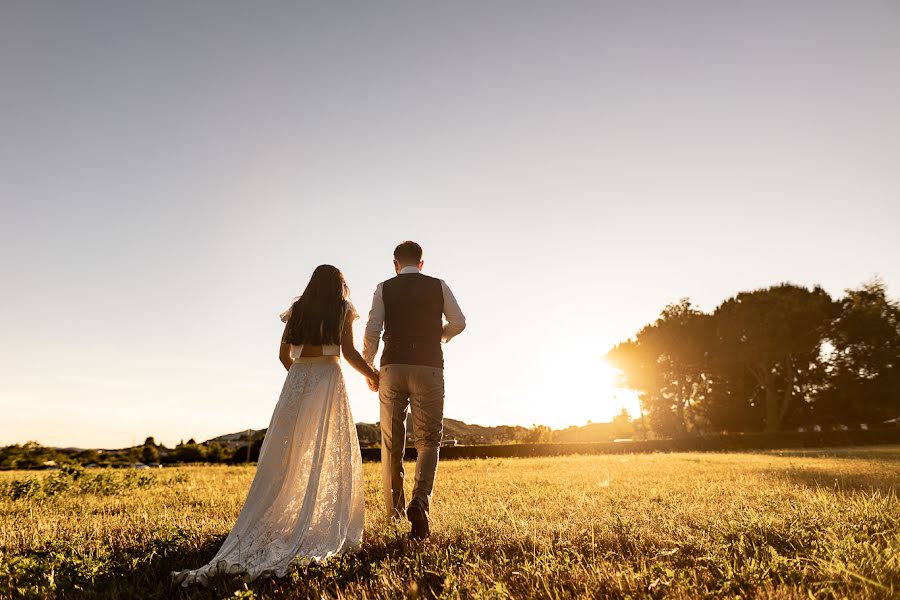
[(456, 320), (374, 327)]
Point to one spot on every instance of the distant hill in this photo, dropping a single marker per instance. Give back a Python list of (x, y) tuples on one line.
[(239, 438), (234, 448), (369, 434), (463, 433)]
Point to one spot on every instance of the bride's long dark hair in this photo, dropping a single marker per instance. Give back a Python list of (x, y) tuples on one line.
[(317, 314)]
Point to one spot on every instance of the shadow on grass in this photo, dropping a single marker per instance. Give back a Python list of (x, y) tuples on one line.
[(151, 577), (887, 482), (78, 570), (882, 454)]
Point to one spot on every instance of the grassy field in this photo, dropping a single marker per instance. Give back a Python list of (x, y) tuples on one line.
[(779, 525)]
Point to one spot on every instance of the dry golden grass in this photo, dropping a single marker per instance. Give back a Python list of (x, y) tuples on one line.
[(789, 525)]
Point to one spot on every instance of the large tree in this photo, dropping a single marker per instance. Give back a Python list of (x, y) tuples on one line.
[(667, 363), (776, 333), (733, 400), (864, 362)]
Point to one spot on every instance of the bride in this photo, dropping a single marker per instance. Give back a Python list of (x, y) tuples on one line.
[(306, 499)]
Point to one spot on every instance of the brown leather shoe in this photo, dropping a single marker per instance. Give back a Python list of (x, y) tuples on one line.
[(419, 520)]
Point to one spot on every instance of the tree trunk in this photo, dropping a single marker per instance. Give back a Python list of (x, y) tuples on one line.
[(788, 389), (682, 424), (773, 408)]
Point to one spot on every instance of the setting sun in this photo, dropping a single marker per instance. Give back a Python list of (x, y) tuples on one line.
[(580, 387)]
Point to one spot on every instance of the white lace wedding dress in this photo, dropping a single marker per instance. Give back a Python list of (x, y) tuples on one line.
[(306, 500)]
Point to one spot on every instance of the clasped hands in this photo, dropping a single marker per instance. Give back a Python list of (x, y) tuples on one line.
[(373, 383)]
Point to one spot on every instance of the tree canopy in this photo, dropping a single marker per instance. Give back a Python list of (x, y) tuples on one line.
[(773, 358)]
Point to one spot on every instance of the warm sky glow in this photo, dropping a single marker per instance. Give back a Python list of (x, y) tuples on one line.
[(171, 173)]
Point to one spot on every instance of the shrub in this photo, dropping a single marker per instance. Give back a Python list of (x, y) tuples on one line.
[(74, 480)]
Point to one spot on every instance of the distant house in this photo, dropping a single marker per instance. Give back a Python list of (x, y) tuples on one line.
[(592, 432)]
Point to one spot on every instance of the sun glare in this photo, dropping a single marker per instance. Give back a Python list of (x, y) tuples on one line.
[(614, 397), (582, 388)]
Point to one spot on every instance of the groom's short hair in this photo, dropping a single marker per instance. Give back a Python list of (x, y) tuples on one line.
[(408, 252)]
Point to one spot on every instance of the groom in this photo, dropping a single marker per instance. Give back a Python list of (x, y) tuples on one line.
[(409, 308)]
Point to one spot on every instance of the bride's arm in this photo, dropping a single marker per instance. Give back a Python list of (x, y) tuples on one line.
[(352, 355), (284, 352)]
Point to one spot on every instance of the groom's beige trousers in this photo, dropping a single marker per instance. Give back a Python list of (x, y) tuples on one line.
[(420, 388)]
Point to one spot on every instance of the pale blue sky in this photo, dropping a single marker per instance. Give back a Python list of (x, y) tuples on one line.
[(171, 173)]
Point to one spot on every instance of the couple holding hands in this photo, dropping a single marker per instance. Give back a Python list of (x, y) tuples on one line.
[(306, 500)]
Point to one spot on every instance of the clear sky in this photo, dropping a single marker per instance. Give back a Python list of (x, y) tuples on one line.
[(171, 173)]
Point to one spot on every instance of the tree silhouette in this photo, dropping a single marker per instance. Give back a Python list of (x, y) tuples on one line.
[(864, 361), (667, 362), (776, 333), (149, 454), (770, 358)]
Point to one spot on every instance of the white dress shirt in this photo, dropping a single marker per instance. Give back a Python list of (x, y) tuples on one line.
[(456, 320)]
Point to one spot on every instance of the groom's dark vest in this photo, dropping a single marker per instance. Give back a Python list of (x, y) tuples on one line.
[(413, 305)]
